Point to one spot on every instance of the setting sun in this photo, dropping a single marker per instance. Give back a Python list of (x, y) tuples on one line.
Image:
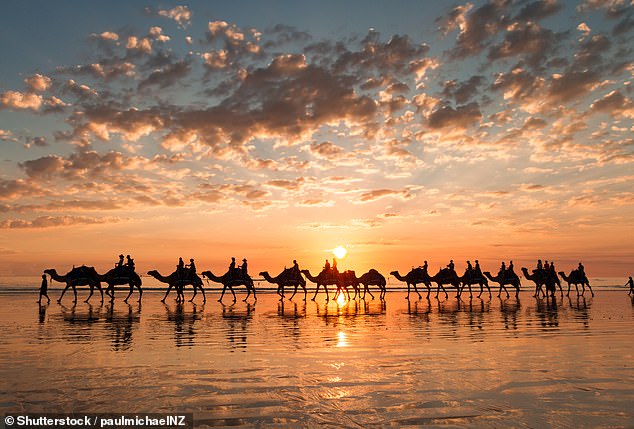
[(340, 252)]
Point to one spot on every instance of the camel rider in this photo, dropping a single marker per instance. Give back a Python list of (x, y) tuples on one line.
[(192, 268), (181, 264), (546, 266), (451, 265), (120, 263), (130, 263), (502, 271), (582, 269), (243, 267), (539, 264), (232, 265), (510, 269), (630, 283), (469, 269), (424, 266), (478, 271), (327, 266), (295, 268)]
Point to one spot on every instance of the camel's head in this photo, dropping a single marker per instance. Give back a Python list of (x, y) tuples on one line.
[(263, 273), (394, 273), (152, 273)]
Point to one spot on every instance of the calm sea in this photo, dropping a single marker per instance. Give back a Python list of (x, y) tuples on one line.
[(487, 362)]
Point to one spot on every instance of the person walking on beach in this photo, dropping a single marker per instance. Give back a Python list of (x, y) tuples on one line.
[(630, 283), (44, 289)]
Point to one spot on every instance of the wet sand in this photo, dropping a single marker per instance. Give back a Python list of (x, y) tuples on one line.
[(479, 363)]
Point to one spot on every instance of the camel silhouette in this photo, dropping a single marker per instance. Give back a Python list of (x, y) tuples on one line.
[(121, 276), (288, 277), (471, 278), (414, 277), (509, 279), (178, 281), (372, 278), (78, 276), (324, 279), (576, 278), (229, 280), (446, 276), (541, 277)]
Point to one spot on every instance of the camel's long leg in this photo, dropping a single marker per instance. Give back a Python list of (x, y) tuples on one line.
[(169, 288), (90, 294), (129, 294), (327, 295), (416, 290), (202, 290), (140, 291), (75, 293), (316, 291), (63, 292), (367, 289)]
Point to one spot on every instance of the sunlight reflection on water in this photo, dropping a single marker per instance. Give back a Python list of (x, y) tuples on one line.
[(475, 362)]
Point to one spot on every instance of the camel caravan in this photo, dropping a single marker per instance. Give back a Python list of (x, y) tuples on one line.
[(544, 276)]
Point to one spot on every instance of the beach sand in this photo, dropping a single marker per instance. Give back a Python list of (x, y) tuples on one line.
[(479, 363)]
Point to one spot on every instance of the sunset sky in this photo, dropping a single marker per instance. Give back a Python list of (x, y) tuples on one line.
[(276, 130)]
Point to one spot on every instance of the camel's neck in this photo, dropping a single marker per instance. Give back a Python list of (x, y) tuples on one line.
[(57, 277), (309, 276), (211, 276), (268, 277), (158, 276), (399, 277)]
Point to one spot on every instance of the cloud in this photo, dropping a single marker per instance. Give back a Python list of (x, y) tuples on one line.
[(461, 117), (106, 36), (54, 221), (20, 100), (476, 26), (534, 43), (614, 103), (538, 10), (37, 83), (182, 15), (465, 91), (377, 194), (167, 76)]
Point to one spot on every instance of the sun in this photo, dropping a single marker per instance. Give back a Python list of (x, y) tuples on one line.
[(340, 252)]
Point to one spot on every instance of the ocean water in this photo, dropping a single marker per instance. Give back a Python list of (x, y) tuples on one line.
[(486, 362)]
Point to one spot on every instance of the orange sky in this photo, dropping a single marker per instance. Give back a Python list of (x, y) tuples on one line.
[(494, 130)]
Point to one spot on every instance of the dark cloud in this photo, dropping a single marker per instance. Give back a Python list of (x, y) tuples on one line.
[(534, 43), (461, 117), (167, 76), (399, 54), (537, 10), (475, 27), (465, 91)]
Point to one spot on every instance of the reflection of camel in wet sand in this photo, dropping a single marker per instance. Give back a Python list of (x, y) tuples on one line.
[(228, 280), (122, 276), (473, 278), (576, 278), (79, 276), (178, 282), (414, 277), (324, 279), (512, 280), (286, 278)]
